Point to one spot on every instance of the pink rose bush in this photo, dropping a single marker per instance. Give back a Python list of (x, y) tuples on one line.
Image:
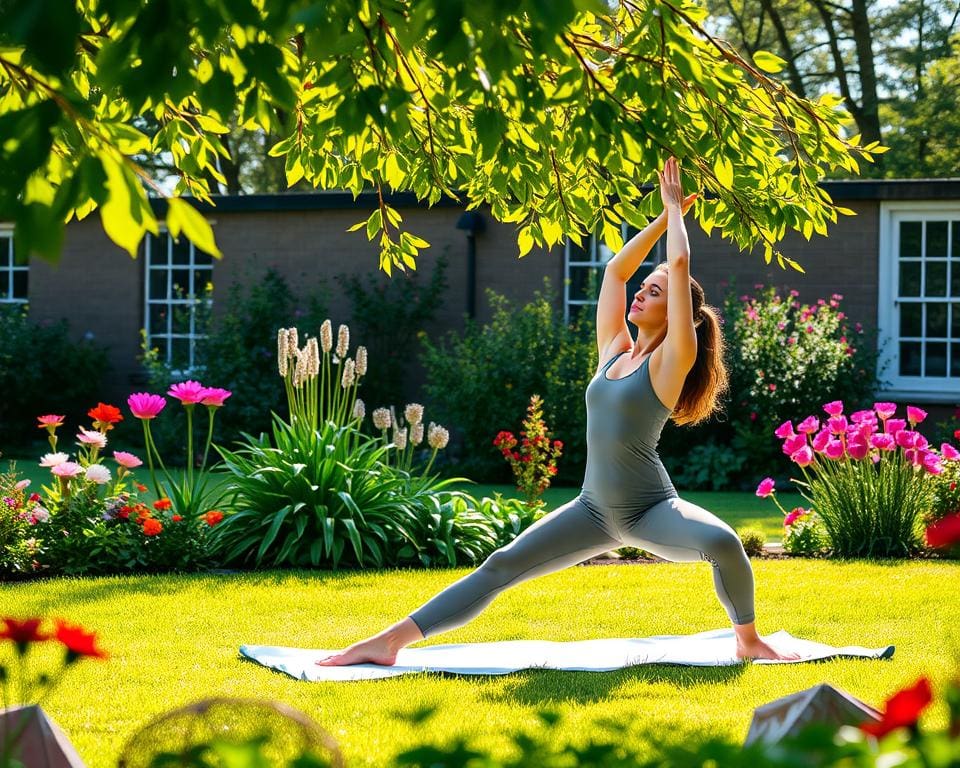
[(868, 475)]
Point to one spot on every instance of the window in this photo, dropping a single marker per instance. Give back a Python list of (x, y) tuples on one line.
[(583, 271), (919, 301), (13, 276), (178, 287)]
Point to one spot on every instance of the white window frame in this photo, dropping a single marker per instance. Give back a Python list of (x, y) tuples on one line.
[(600, 254), (192, 336), (930, 389), (7, 273)]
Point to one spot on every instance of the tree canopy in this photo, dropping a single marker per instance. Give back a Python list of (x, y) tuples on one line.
[(554, 112)]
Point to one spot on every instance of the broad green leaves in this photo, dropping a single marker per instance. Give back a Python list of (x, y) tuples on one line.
[(557, 115)]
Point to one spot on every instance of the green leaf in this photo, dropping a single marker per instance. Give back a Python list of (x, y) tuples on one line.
[(525, 241), (768, 62), (181, 216), (724, 170)]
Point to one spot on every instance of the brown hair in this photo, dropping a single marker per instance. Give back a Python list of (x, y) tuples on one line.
[(707, 381)]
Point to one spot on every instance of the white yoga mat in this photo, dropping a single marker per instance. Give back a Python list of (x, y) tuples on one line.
[(716, 648)]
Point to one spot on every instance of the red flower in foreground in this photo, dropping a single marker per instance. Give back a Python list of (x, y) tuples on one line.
[(945, 532), (902, 710), (22, 632), (161, 504), (212, 517), (151, 527), (78, 641), (105, 415)]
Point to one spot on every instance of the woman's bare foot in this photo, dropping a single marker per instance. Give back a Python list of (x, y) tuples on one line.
[(751, 646), (758, 649), (381, 649)]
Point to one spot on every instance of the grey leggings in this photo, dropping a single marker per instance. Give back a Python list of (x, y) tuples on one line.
[(673, 529)]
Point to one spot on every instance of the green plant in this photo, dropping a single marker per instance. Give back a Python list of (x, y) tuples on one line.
[(804, 533), (20, 515), (708, 466), (391, 313), (486, 375), (753, 541), (535, 463), (41, 368)]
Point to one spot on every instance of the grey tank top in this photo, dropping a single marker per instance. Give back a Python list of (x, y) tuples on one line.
[(624, 421)]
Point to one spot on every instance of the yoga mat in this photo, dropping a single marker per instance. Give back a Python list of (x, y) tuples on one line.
[(715, 648)]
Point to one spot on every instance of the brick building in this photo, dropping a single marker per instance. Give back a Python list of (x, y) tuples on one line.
[(897, 264)]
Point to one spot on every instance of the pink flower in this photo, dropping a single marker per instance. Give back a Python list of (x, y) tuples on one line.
[(795, 514), (53, 459), (857, 450), (809, 425), (804, 457), (92, 437), (67, 469), (145, 406), (766, 487), (821, 440), (906, 439), (50, 421), (97, 473), (858, 417), (834, 450), (21, 485), (883, 441), (949, 452), (127, 460), (885, 410), (931, 463), (794, 444), (772, 387), (214, 396), (834, 408), (838, 424), (753, 415), (894, 425), (188, 392), (785, 430), (914, 456), (915, 415)]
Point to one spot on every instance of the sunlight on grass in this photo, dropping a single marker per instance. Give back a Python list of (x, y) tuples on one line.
[(174, 640)]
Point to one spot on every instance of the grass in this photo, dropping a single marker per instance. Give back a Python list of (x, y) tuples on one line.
[(174, 640)]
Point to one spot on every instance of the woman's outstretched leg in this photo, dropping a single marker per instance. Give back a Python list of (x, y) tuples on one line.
[(680, 531), (565, 537)]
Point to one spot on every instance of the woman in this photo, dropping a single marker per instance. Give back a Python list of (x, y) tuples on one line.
[(627, 497)]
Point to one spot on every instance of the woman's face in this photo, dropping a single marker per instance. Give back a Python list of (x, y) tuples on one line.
[(649, 306)]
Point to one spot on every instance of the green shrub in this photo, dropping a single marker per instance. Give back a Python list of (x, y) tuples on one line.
[(22, 516), (753, 540), (390, 313), (479, 381), (783, 358), (804, 535), (43, 371)]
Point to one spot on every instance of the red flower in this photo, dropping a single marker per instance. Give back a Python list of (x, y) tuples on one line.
[(105, 415), (78, 641), (945, 532), (212, 517), (124, 513), (176, 518), (151, 527), (23, 633), (161, 504), (141, 487), (902, 709), (34, 497)]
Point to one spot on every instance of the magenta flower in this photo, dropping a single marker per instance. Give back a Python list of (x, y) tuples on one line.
[(809, 425), (857, 450), (67, 469), (838, 424), (906, 439), (834, 450), (821, 439), (895, 425), (214, 396), (949, 452), (795, 514), (885, 410), (785, 430), (915, 415), (766, 487), (50, 421), (145, 406), (858, 417), (883, 441), (793, 444), (127, 460), (834, 408), (931, 463), (922, 442), (804, 457), (188, 392)]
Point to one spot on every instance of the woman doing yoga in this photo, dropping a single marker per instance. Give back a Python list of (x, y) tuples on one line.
[(627, 497)]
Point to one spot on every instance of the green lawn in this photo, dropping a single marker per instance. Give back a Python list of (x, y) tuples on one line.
[(174, 640)]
